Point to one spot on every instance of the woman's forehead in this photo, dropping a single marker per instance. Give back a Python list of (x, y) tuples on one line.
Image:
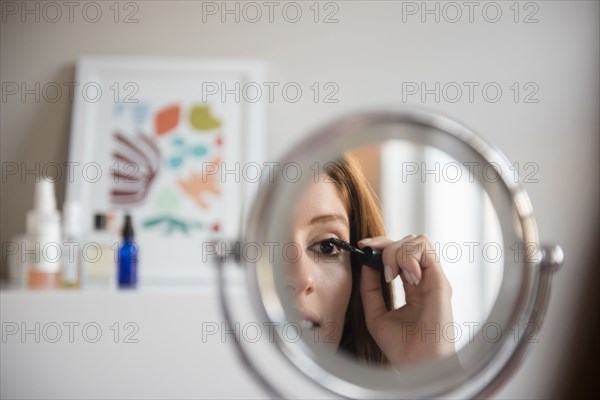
[(321, 203)]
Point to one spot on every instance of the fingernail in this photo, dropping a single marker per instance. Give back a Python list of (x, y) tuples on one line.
[(364, 241), (387, 271), (408, 277), (414, 278)]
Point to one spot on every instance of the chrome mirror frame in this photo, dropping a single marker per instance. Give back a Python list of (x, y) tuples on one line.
[(526, 291)]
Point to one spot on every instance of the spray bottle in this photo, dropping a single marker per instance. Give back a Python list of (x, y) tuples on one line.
[(44, 235)]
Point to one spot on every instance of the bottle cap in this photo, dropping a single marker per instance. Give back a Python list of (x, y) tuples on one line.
[(100, 221), (44, 219), (128, 228), (44, 196)]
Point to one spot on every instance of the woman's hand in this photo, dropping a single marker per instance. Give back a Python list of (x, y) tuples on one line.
[(421, 329)]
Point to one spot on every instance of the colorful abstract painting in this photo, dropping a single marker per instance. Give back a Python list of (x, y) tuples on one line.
[(150, 147), (161, 164)]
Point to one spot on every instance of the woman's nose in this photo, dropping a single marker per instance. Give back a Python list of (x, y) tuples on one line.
[(302, 279)]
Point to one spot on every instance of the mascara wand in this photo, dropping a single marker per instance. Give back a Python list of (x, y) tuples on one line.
[(368, 255)]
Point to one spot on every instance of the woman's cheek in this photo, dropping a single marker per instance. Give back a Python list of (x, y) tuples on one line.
[(331, 273), (337, 282)]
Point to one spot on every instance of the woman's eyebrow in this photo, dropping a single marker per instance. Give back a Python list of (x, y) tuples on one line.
[(329, 218)]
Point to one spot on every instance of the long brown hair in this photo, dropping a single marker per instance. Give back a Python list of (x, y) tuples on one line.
[(365, 221)]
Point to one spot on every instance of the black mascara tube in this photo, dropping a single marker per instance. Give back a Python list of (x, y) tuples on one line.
[(368, 256)]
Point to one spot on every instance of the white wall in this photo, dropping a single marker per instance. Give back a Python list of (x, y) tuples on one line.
[(369, 53)]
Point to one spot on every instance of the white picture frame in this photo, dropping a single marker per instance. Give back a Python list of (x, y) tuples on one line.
[(155, 116)]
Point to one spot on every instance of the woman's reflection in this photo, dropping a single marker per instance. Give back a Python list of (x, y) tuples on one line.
[(350, 305)]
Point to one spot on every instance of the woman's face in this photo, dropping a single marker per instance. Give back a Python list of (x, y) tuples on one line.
[(321, 280)]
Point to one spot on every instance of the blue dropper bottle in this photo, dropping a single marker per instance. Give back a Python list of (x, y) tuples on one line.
[(128, 257)]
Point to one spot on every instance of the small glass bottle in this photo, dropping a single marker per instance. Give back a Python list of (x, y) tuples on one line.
[(70, 272), (99, 256), (128, 257)]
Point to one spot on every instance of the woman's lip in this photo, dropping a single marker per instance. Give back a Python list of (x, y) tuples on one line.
[(310, 316), (305, 324)]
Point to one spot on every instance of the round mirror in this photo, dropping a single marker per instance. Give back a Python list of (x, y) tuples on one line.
[(392, 255)]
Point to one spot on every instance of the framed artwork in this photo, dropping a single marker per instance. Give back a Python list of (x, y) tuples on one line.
[(151, 137)]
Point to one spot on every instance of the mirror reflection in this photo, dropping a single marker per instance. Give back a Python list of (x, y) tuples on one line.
[(399, 256)]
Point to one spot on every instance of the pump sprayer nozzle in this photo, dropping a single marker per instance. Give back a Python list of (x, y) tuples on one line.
[(44, 196)]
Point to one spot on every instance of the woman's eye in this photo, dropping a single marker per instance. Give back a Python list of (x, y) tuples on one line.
[(327, 248)]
